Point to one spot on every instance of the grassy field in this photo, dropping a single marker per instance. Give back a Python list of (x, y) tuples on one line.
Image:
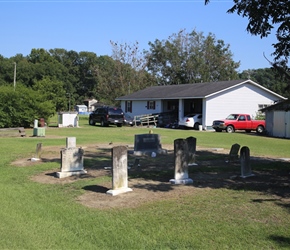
[(45, 216)]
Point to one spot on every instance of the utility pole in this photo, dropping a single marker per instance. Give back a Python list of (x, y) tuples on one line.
[(14, 82), (68, 101)]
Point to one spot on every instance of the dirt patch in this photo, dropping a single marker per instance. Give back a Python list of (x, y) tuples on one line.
[(150, 181)]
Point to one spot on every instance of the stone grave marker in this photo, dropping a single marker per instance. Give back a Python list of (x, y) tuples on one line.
[(246, 170), (234, 153), (181, 155), (119, 171), (191, 142), (72, 160), (146, 144)]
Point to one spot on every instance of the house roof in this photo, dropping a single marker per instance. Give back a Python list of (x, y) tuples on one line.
[(283, 105), (187, 91)]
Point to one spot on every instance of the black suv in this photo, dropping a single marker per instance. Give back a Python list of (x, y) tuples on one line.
[(106, 116)]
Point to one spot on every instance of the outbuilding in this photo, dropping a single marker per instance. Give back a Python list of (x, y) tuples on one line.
[(278, 119), (214, 100)]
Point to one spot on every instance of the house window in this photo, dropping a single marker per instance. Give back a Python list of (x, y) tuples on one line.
[(261, 106), (151, 105), (128, 106)]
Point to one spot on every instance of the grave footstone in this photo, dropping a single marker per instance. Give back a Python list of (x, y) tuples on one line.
[(119, 171), (72, 159), (146, 144), (246, 170), (191, 142), (181, 155)]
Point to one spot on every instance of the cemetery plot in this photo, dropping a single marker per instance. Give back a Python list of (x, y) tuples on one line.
[(150, 181)]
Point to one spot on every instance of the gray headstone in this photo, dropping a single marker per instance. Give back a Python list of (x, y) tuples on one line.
[(148, 143), (181, 155), (71, 142), (246, 170), (72, 162), (72, 159), (234, 152), (119, 171)]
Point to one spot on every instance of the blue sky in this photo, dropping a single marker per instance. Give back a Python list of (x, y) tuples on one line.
[(90, 25)]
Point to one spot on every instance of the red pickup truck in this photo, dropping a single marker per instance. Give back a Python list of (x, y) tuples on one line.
[(239, 122)]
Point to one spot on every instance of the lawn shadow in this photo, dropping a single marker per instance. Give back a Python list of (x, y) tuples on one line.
[(281, 241)]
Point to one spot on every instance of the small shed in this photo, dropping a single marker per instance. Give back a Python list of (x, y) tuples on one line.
[(68, 119), (81, 108), (278, 119)]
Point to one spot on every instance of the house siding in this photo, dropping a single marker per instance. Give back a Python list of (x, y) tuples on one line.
[(140, 107), (240, 99)]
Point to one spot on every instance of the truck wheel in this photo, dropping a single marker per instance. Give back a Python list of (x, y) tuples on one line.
[(103, 123), (91, 122), (260, 129), (230, 129)]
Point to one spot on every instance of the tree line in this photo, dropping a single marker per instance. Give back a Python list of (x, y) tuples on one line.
[(47, 80)]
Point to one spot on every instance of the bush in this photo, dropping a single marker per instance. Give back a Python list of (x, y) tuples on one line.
[(21, 107)]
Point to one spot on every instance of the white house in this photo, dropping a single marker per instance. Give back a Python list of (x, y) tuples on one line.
[(214, 100)]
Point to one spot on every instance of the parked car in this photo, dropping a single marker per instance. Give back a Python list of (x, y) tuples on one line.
[(191, 121), (168, 119), (107, 116), (239, 122), (129, 120)]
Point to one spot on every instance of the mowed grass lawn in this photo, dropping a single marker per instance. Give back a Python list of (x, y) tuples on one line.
[(46, 216)]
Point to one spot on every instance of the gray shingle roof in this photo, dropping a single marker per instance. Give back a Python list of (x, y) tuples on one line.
[(196, 90)]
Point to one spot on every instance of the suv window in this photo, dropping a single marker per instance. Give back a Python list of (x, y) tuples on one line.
[(115, 111)]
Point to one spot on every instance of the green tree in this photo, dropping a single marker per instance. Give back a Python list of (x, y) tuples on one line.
[(22, 106), (52, 90), (267, 77), (191, 57)]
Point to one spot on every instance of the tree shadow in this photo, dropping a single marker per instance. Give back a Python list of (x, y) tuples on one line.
[(281, 241)]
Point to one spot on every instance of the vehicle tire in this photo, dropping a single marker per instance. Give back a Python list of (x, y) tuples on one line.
[(196, 126), (103, 123), (248, 131), (218, 130), (260, 130), (120, 125), (230, 129), (91, 122)]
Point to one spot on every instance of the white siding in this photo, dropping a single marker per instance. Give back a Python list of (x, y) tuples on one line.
[(241, 99), (140, 107), (279, 124)]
